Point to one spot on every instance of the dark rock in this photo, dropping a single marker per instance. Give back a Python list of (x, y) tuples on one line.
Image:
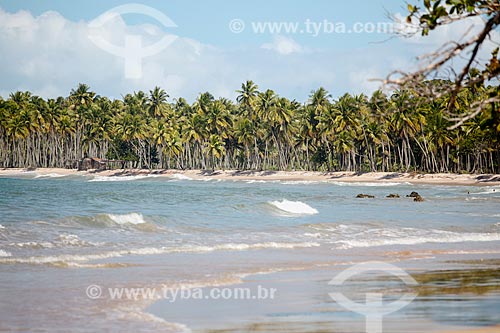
[(393, 195), (418, 198), (413, 195), (361, 195)]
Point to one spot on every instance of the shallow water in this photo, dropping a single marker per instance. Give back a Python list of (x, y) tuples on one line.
[(60, 234)]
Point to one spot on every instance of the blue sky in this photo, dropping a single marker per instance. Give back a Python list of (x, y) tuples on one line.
[(207, 21), (46, 48)]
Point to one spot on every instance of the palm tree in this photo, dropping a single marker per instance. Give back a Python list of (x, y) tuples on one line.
[(215, 149), (406, 122), (247, 98), (261, 130), (157, 102)]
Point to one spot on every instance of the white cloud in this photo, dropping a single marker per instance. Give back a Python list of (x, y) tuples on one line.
[(49, 55), (283, 45)]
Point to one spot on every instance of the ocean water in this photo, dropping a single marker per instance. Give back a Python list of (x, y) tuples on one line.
[(61, 234)]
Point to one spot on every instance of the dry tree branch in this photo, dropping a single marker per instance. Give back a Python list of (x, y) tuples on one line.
[(476, 108), (437, 60), (492, 22)]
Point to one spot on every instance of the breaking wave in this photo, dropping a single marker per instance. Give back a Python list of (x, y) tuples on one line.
[(49, 175), (294, 207), (120, 178), (132, 218), (180, 176)]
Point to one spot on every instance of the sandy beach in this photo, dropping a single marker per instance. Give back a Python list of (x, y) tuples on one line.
[(369, 177)]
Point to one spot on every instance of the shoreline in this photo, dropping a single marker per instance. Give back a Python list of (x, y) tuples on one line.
[(298, 176)]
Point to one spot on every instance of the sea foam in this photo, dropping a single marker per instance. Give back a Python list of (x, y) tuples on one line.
[(49, 175), (63, 240), (132, 218), (437, 237), (5, 253), (294, 207), (120, 178), (68, 258), (369, 184), (180, 176)]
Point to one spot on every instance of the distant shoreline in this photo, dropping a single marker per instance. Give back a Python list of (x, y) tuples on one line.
[(305, 176)]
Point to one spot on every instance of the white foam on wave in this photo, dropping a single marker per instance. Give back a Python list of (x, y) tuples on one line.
[(63, 240), (131, 218), (2, 227), (255, 181), (5, 253), (49, 175), (120, 178), (71, 240), (301, 182), (65, 258), (437, 236), (180, 176), (294, 207), (33, 245), (370, 184)]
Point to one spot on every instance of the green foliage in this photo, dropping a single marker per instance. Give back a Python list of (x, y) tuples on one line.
[(262, 130)]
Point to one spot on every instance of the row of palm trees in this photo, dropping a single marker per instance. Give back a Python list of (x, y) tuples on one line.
[(261, 131)]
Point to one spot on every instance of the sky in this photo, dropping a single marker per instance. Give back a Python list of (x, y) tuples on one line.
[(49, 46)]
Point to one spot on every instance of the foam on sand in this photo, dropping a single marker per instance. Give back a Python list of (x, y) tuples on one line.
[(294, 207), (132, 218), (180, 176)]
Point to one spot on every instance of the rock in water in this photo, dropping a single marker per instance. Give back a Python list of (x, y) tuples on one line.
[(418, 198), (393, 195), (413, 195), (361, 195)]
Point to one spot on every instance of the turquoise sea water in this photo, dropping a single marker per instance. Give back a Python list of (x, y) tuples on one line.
[(59, 235)]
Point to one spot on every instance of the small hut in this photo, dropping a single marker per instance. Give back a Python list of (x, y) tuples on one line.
[(91, 163)]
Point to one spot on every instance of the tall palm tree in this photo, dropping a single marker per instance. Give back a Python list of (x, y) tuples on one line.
[(157, 102)]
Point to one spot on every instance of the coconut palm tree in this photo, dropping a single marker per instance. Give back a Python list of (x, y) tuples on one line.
[(157, 102)]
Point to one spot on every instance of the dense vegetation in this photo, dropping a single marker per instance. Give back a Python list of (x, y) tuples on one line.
[(262, 130)]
